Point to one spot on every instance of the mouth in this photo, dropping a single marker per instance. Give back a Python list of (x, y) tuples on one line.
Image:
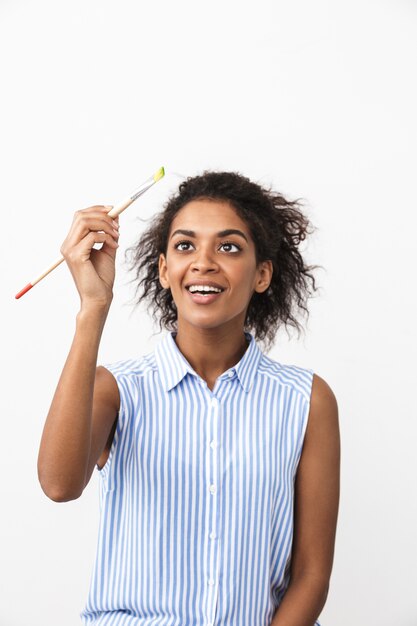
[(204, 296)]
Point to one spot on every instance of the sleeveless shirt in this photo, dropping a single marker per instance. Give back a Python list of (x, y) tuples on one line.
[(197, 494)]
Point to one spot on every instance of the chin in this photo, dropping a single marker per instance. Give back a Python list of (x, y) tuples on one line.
[(210, 321)]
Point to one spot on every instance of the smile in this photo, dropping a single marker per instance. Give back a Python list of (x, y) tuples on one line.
[(203, 295)]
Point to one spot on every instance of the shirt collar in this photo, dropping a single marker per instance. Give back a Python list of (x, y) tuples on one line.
[(173, 366)]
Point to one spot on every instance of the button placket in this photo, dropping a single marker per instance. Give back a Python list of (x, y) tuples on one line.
[(212, 508)]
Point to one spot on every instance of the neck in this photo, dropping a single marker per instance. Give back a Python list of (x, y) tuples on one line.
[(211, 351)]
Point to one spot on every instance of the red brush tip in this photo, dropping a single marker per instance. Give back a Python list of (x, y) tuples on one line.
[(24, 290)]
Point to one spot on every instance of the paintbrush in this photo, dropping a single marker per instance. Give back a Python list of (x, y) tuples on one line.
[(112, 213)]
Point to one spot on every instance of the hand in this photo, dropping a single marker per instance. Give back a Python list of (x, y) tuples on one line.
[(92, 270)]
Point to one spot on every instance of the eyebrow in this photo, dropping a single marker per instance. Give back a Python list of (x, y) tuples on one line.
[(222, 233)]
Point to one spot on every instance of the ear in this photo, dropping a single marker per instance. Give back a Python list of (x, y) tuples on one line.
[(163, 271), (263, 276)]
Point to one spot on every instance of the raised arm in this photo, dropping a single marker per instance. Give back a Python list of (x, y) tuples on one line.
[(81, 419), (315, 514)]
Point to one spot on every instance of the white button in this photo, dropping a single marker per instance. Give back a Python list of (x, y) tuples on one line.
[(231, 373), (213, 535), (211, 582), (213, 488), (214, 402), (213, 444)]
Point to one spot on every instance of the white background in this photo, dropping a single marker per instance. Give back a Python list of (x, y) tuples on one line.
[(317, 99)]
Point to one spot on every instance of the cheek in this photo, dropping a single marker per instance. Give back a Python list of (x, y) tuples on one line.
[(245, 273), (176, 271)]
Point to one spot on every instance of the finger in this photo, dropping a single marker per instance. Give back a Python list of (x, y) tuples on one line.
[(81, 250), (85, 220), (96, 210), (83, 224), (97, 223), (86, 245), (93, 210), (104, 208), (110, 248)]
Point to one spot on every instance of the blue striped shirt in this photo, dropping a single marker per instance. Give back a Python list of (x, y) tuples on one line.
[(197, 493)]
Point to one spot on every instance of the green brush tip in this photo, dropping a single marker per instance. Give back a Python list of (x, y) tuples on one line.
[(159, 174)]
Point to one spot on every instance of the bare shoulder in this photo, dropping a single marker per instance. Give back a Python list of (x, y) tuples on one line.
[(319, 465), (106, 389), (317, 485), (106, 405), (322, 394), (324, 412)]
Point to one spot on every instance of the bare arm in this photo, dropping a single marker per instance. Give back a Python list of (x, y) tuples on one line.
[(315, 515), (86, 401)]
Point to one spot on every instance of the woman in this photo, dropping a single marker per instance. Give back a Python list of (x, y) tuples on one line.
[(219, 465)]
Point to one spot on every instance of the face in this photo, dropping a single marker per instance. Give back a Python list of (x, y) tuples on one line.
[(210, 246)]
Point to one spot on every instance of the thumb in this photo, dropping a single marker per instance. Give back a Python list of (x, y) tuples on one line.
[(110, 250)]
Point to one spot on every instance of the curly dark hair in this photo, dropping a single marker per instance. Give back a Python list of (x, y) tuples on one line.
[(277, 227)]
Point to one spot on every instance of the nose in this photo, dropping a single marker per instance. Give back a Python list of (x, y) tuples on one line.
[(204, 262)]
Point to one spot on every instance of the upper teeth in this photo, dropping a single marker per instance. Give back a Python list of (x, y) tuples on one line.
[(193, 288)]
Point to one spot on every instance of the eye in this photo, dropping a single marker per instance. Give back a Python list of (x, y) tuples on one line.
[(229, 244), (180, 244), (183, 246)]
